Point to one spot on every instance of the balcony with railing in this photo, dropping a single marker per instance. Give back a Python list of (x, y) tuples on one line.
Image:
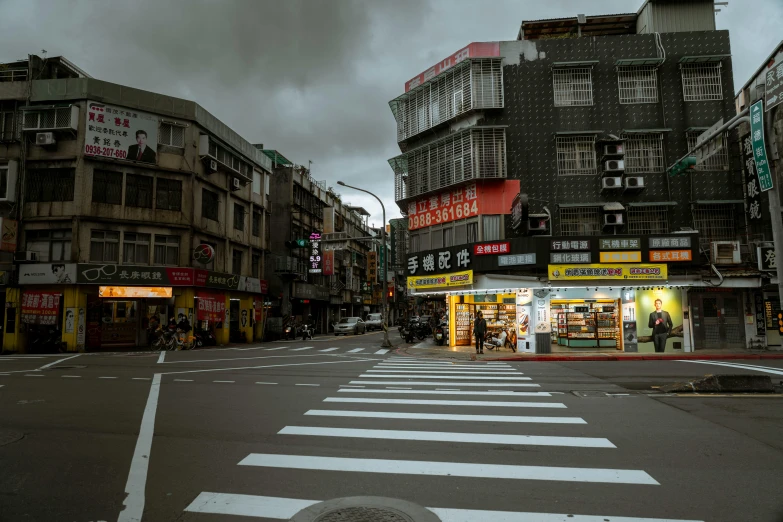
[(474, 153), (473, 84), (287, 265)]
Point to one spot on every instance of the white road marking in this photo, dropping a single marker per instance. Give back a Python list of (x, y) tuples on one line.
[(424, 402), (455, 367), (389, 362), (285, 508), (34, 375), (446, 372), (3, 359), (267, 366), (303, 348), (445, 436), (381, 351), (446, 417), (447, 389), (183, 380), (329, 349), (262, 382), (137, 477), (71, 376), (141, 378), (508, 385), (740, 366), (450, 469), (437, 392), (297, 384), (58, 361), (162, 356), (439, 376), (397, 388), (355, 350), (350, 386), (227, 382), (274, 349), (107, 377)]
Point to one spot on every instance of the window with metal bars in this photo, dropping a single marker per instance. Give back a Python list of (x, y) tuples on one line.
[(107, 187), (171, 135), (576, 155), (637, 84), (50, 245), (8, 130), (45, 185), (701, 81), (715, 222), (643, 153), (135, 249), (648, 220), (210, 204), (104, 246), (239, 217), (166, 250), (168, 194), (718, 161), (138, 191), (580, 221), (573, 86), (256, 223)]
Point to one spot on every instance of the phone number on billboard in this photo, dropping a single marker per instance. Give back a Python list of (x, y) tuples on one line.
[(108, 152), (443, 215)]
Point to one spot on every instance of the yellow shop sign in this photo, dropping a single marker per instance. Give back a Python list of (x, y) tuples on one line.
[(608, 271), (441, 280)]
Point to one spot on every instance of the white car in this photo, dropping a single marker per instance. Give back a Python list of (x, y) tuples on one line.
[(374, 322), (350, 325)]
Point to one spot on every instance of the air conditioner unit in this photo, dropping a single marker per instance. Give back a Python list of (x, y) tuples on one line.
[(235, 184), (22, 257), (614, 165), (212, 165), (614, 150), (45, 138), (634, 183), (726, 252), (613, 219), (611, 183)]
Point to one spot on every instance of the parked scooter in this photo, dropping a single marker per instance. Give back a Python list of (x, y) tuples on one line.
[(441, 334)]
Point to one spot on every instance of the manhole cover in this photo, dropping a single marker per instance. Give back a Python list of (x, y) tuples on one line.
[(363, 514), (8, 436), (365, 509)]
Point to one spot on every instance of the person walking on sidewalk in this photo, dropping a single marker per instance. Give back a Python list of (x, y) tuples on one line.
[(480, 330), (661, 324)]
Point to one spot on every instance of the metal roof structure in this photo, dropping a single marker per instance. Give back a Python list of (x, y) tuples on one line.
[(600, 25), (277, 158)]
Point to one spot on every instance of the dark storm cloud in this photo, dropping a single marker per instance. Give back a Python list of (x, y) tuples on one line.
[(311, 78)]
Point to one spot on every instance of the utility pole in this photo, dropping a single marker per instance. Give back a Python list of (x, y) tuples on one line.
[(774, 197)]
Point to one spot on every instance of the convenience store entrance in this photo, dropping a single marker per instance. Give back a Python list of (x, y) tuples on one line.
[(499, 310), (586, 323)]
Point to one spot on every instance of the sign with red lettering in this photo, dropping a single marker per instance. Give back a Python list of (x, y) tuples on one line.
[(473, 50), (328, 260), (211, 307), (497, 247), (40, 307)]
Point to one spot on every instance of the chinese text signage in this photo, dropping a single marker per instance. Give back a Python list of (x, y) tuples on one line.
[(372, 266), (502, 247), (328, 259), (670, 242), (444, 261), (315, 253), (618, 272), (576, 244), (752, 189), (441, 281), (621, 244), (766, 257), (759, 148), (211, 307), (569, 257), (671, 255), (774, 84), (621, 257), (444, 207), (40, 307), (120, 133), (517, 259), (473, 49)]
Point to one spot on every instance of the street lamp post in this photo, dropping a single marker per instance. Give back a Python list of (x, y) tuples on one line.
[(386, 342)]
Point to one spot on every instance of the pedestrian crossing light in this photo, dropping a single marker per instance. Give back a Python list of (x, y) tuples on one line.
[(688, 162)]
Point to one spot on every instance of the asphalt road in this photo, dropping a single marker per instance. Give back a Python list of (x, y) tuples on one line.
[(257, 433)]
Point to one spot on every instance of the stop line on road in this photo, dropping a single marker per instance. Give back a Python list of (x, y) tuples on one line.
[(374, 394)]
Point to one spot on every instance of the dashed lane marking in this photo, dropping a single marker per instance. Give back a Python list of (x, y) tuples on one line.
[(262, 382), (227, 382), (306, 384), (183, 380), (107, 377), (329, 349)]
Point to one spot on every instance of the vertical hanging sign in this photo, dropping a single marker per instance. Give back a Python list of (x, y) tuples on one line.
[(315, 253), (759, 147)]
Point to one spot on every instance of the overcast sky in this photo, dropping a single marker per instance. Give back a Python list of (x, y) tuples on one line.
[(310, 78)]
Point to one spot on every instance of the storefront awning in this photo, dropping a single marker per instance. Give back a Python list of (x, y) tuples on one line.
[(578, 132), (583, 63), (625, 62), (613, 206), (651, 203), (704, 59)]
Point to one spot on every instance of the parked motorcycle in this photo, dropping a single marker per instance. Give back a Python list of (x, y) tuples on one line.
[(441, 334)]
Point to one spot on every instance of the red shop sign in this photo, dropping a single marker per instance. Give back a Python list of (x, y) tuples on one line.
[(211, 307), (443, 207), (497, 247), (264, 286), (40, 307)]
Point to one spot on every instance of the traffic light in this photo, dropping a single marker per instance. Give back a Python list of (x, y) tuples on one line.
[(297, 243), (780, 323), (688, 162)]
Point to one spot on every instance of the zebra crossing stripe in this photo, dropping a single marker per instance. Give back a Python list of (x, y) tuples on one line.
[(445, 417), (445, 436), (381, 351), (285, 508), (329, 349), (425, 402), (445, 372), (303, 348), (355, 350), (443, 368), (429, 383), (437, 392), (451, 469), (440, 376), (274, 349)]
